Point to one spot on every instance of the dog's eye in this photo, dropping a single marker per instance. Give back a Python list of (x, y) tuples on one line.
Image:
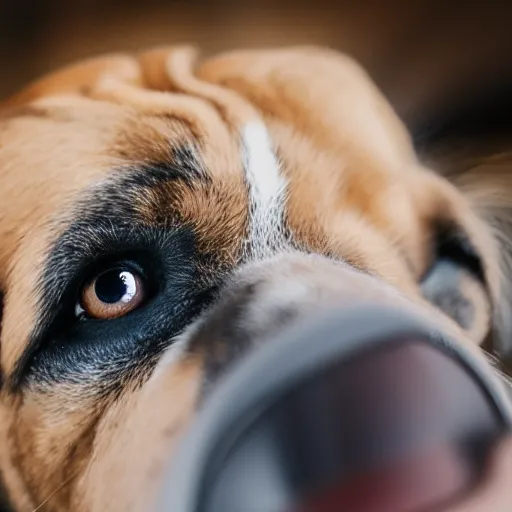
[(111, 294), (455, 282)]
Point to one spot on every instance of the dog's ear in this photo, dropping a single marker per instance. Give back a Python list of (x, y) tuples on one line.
[(78, 78)]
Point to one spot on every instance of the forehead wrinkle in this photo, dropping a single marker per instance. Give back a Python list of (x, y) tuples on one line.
[(45, 166), (179, 67), (200, 115)]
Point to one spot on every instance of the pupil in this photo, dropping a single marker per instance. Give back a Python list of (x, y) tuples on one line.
[(110, 287)]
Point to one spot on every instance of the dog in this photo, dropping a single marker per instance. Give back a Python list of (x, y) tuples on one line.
[(161, 214)]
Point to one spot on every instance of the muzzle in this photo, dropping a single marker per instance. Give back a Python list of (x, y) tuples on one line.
[(369, 409)]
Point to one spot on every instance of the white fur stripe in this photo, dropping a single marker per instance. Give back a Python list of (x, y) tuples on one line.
[(266, 190)]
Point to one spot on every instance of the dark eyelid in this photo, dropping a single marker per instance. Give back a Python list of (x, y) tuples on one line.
[(66, 267), (452, 243), (107, 222), (457, 247), (121, 262)]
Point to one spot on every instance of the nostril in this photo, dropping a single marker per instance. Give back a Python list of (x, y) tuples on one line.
[(398, 417), (363, 432), (406, 391)]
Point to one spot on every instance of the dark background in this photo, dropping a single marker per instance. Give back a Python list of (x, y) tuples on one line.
[(445, 65), (423, 53)]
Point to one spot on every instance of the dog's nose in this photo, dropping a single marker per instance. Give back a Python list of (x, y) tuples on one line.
[(369, 409), (385, 431)]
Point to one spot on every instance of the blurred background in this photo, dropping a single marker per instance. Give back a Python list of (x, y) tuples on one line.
[(438, 61), (416, 49)]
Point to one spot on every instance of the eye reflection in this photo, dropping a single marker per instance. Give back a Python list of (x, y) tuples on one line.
[(111, 294)]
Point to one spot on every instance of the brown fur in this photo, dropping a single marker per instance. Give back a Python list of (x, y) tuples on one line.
[(356, 191)]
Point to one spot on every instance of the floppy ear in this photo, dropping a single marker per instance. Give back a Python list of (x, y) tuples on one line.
[(78, 78)]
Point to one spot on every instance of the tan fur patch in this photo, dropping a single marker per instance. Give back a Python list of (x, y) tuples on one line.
[(155, 436), (354, 191)]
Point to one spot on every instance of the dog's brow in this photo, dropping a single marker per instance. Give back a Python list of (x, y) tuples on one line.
[(105, 222)]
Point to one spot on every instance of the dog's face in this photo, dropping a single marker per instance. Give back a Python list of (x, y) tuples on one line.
[(159, 217)]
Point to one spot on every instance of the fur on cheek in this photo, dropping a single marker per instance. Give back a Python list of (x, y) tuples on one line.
[(125, 468)]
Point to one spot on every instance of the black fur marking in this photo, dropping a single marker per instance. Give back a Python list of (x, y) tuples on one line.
[(228, 332), (454, 255), (222, 338), (107, 229), (452, 243)]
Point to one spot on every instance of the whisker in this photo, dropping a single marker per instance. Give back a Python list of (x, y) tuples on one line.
[(496, 363), (55, 491)]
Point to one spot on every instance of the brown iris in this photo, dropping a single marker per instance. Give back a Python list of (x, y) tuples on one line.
[(111, 294)]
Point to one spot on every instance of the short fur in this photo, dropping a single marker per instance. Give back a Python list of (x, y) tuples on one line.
[(257, 187)]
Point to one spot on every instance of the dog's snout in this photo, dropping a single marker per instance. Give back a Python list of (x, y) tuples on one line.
[(367, 392), (359, 379), (264, 298), (383, 415)]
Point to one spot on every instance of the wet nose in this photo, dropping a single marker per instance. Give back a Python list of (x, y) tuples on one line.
[(369, 409)]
